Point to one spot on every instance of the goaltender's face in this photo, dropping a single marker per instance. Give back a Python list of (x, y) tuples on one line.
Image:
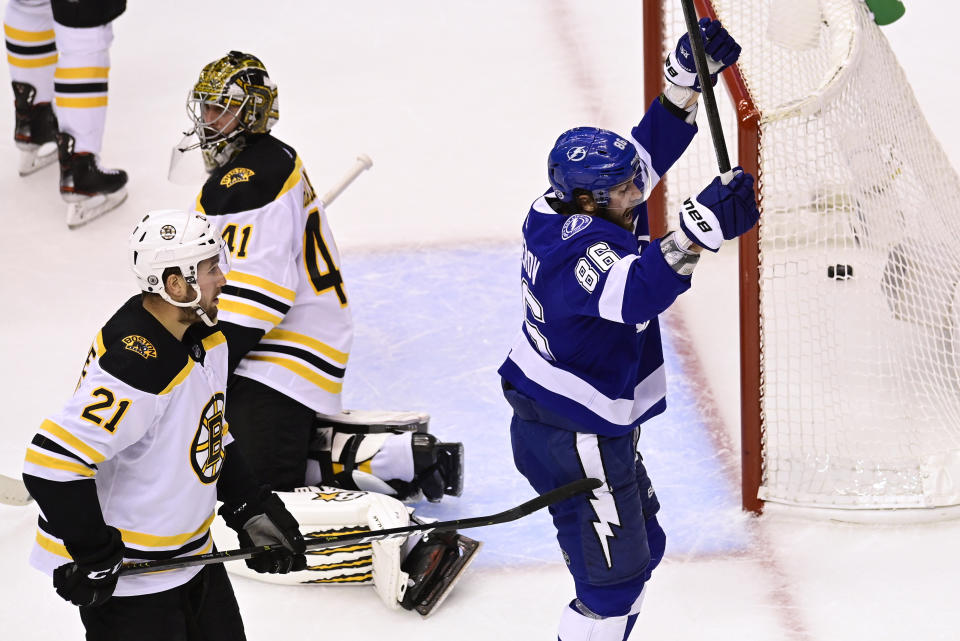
[(219, 120)]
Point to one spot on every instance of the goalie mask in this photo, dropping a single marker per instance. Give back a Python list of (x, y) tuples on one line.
[(234, 95), (174, 239)]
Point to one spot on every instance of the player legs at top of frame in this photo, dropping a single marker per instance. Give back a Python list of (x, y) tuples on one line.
[(59, 57), (285, 309), (587, 369)]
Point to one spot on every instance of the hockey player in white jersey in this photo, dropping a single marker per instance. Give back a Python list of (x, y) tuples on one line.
[(59, 57), (586, 370), (286, 314), (285, 308), (132, 466)]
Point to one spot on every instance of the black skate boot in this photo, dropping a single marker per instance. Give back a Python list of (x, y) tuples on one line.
[(91, 190), (35, 129), (434, 566)]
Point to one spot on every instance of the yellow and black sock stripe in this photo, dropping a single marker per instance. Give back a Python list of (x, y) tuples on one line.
[(30, 49), (81, 87)]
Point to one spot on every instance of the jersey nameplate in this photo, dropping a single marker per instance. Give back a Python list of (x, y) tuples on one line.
[(574, 225), (139, 345), (235, 176)]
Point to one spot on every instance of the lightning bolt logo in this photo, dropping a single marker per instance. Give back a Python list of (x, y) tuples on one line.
[(604, 507)]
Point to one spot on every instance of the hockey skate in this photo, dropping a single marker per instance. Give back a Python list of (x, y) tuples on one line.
[(434, 566), (35, 130), (89, 190)]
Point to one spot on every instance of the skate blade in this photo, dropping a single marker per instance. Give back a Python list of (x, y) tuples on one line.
[(450, 576), (82, 212), (35, 157)]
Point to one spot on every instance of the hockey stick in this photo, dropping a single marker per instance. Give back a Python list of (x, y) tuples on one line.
[(363, 163), (706, 88), (13, 491), (553, 496)]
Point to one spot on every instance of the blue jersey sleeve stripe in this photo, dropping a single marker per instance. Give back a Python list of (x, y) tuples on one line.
[(620, 411), (610, 305), (651, 176)]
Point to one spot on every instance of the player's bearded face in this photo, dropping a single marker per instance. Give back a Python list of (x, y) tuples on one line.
[(210, 280), (624, 198)]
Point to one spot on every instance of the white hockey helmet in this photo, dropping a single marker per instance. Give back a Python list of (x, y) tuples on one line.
[(173, 238)]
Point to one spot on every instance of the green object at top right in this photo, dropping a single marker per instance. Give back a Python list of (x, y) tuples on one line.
[(886, 11)]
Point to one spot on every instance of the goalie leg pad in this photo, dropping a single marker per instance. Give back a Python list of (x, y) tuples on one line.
[(325, 511)]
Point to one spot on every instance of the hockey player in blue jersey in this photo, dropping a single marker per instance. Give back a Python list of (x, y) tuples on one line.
[(587, 368)]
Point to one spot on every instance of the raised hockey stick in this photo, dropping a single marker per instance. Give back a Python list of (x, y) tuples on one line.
[(553, 496), (13, 491), (362, 164), (706, 88)]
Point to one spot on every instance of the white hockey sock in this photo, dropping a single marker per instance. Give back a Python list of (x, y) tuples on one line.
[(81, 84), (31, 50), (577, 623)]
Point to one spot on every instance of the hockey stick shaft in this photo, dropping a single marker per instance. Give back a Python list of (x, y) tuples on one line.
[(706, 88), (362, 164), (553, 496)]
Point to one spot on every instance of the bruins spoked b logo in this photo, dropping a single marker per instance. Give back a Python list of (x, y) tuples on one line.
[(206, 451)]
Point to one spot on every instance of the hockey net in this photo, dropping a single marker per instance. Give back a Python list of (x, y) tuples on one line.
[(850, 383)]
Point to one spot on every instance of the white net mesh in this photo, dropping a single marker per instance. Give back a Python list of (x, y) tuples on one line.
[(860, 374)]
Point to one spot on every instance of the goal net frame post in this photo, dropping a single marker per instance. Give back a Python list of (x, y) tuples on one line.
[(748, 154)]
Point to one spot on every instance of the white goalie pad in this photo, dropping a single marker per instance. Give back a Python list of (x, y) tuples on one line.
[(324, 510)]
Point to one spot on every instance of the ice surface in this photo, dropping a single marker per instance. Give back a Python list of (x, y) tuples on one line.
[(457, 103)]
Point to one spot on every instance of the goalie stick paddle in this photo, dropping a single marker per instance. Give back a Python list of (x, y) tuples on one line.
[(13, 491), (706, 88), (553, 496)]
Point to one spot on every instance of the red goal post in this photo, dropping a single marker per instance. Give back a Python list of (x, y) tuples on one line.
[(748, 143), (849, 293)]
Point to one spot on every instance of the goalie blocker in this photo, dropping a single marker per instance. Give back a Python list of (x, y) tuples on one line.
[(387, 452), (416, 574)]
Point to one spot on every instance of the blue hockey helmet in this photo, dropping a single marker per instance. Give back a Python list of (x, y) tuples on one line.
[(593, 159)]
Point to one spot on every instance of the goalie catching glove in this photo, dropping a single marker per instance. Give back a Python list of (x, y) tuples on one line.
[(264, 520), (721, 212)]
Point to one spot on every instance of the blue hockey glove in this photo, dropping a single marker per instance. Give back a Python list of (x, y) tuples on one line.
[(91, 579), (265, 520), (721, 49), (720, 212)]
